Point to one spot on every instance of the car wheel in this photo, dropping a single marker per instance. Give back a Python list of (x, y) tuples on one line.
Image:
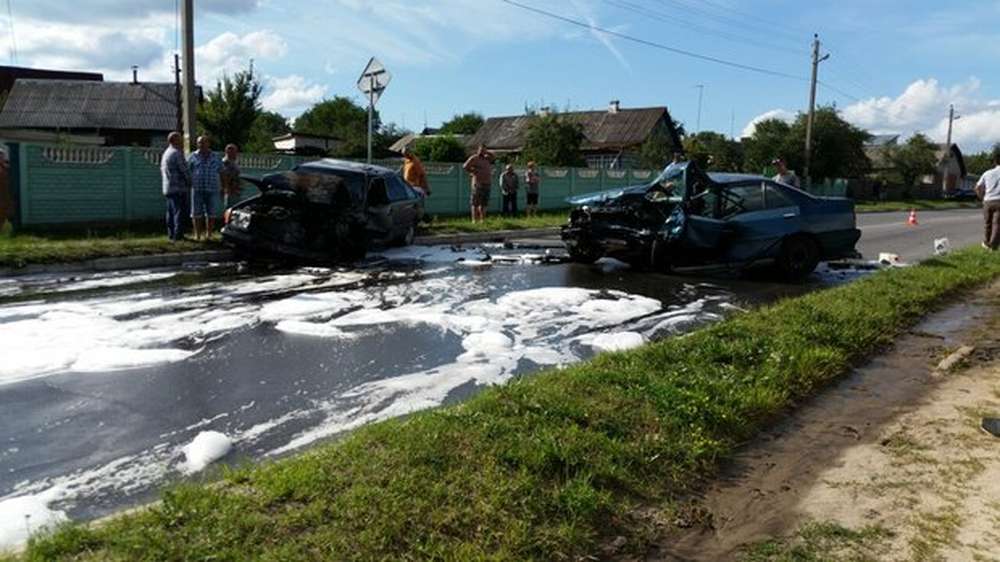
[(659, 256), (582, 254), (798, 257), (407, 238), (354, 246)]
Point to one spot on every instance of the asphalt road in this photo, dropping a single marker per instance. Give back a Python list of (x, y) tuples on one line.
[(107, 377), (888, 232)]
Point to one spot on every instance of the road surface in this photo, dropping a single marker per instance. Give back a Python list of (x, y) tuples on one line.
[(107, 377)]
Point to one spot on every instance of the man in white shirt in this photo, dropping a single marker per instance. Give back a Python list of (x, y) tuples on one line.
[(988, 189), (785, 175)]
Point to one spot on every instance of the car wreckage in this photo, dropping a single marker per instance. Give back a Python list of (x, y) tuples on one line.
[(688, 218), (327, 210)]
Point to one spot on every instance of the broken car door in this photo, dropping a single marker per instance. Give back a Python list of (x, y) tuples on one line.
[(763, 218)]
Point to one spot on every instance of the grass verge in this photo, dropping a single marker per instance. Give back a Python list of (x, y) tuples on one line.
[(24, 249), (545, 467), (457, 225), (918, 204)]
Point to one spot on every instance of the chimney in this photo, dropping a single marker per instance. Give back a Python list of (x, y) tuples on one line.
[(135, 74), (614, 106)]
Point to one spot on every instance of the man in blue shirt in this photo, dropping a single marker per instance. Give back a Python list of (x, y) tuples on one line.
[(176, 184), (205, 187)]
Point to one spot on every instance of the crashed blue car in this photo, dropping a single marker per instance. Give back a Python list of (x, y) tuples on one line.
[(686, 218)]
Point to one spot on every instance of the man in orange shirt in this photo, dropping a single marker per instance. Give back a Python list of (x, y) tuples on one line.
[(414, 173)]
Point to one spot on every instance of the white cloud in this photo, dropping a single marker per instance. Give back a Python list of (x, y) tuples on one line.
[(291, 95), (923, 107), (781, 114), (99, 11), (229, 53)]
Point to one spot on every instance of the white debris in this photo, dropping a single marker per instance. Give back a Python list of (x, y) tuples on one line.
[(22, 516), (942, 246), (207, 447), (615, 341), (888, 258)]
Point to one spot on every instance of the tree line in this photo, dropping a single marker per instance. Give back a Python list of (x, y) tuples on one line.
[(232, 113)]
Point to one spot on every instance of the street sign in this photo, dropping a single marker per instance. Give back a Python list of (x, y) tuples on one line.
[(374, 80), (372, 83)]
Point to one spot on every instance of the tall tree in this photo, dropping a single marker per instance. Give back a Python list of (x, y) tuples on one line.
[(230, 109), (551, 140), (657, 151), (916, 158), (978, 163), (266, 126), (464, 124), (714, 152), (771, 139), (838, 148), (342, 118), (444, 148)]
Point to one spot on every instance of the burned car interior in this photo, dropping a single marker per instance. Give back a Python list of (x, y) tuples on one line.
[(324, 211)]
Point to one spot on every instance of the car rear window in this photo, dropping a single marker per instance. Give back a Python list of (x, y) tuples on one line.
[(323, 180)]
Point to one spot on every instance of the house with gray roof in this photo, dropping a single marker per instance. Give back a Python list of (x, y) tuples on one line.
[(612, 138), (110, 113)]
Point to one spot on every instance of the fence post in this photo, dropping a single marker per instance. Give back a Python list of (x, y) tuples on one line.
[(126, 153), (25, 197)]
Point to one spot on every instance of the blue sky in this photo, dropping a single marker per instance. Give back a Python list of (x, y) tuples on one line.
[(895, 64)]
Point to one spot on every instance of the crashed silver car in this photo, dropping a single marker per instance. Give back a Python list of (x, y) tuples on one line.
[(687, 218)]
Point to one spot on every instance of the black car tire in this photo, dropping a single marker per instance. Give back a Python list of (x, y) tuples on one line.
[(354, 246), (659, 256), (798, 257), (407, 238), (582, 254)]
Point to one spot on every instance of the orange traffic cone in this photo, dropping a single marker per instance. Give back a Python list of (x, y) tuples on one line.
[(912, 221)]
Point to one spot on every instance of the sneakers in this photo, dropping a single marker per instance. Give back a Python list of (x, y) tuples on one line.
[(987, 247)]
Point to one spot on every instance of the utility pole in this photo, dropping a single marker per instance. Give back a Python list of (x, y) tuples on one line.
[(188, 85), (371, 112), (701, 94), (732, 125), (951, 121), (177, 92), (816, 59)]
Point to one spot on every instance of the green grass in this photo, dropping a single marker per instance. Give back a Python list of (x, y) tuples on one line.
[(918, 204), (455, 225), (24, 249), (823, 542), (543, 468)]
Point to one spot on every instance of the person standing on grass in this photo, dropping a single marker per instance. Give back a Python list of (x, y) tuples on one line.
[(414, 172), (988, 189), (508, 188), (785, 175), (230, 176), (479, 166), (206, 168), (176, 185), (531, 181)]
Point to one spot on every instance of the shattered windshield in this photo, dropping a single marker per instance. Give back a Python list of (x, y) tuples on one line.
[(669, 185), (326, 186)]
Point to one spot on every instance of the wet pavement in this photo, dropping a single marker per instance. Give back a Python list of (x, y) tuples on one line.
[(106, 377)]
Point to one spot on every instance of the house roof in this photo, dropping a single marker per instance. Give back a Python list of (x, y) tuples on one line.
[(298, 135), (408, 139), (10, 74), (79, 104), (601, 129), (877, 141)]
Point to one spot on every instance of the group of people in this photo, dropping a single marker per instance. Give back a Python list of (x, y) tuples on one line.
[(195, 186), (479, 166)]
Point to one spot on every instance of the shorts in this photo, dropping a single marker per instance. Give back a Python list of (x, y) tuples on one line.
[(532, 198), (204, 203), (480, 196)]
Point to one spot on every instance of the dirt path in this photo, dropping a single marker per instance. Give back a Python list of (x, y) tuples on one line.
[(888, 465)]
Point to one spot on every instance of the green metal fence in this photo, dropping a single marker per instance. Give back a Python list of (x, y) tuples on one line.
[(65, 185)]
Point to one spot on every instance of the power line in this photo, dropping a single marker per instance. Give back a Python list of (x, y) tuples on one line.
[(739, 20), (13, 40), (669, 18), (656, 45)]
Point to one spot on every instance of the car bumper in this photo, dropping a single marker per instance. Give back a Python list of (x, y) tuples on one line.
[(608, 241), (254, 245)]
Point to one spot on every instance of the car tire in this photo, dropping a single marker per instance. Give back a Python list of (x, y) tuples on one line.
[(659, 256), (407, 238), (584, 255), (354, 247), (798, 257)]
